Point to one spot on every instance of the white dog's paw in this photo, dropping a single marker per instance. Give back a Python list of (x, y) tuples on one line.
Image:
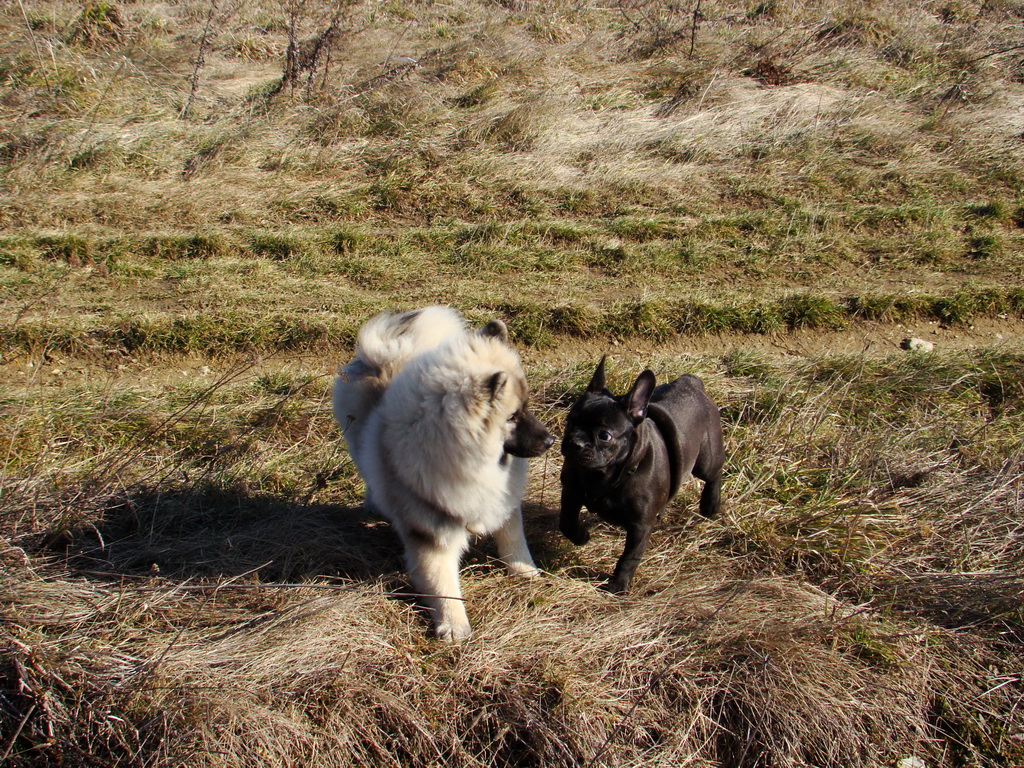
[(453, 633), (525, 570)]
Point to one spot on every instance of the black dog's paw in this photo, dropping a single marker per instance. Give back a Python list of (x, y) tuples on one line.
[(579, 537), (615, 586)]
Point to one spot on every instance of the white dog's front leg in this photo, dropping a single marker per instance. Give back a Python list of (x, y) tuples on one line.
[(434, 570), (512, 548)]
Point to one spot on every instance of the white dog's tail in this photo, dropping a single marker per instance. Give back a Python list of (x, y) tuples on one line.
[(385, 344)]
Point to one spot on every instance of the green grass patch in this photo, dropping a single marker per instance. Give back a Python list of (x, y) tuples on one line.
[(77, 251), (237, 327), (185, 246), (276, 246)]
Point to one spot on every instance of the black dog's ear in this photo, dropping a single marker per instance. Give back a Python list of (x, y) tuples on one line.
[(495, 328), (597, 381), (640, 396)]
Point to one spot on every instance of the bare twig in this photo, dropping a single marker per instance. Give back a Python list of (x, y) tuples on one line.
[(35, 43), (697, 16), (204, 47), (17, 732)]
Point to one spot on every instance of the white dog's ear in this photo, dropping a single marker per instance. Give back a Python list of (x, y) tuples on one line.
[(640, 397), (496, 329), (494, 384)]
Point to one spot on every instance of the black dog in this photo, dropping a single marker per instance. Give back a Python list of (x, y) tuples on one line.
[(626, 456)]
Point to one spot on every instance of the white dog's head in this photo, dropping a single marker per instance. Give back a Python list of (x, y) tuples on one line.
[(499, 394)]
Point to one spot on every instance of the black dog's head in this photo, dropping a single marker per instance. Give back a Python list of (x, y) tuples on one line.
[(599, 431)]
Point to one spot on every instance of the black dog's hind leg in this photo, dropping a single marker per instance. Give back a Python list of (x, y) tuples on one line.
[(711, 496), (708, 468), (638, 536)]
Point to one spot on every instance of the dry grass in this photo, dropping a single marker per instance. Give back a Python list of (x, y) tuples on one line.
[(200, 207), (223, 601)]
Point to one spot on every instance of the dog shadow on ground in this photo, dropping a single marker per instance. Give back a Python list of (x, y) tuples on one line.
[(214, 533)]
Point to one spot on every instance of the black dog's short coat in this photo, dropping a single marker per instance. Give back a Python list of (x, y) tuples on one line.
[(626, 456)]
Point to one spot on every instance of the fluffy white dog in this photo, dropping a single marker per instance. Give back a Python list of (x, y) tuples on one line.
[(436, 419)]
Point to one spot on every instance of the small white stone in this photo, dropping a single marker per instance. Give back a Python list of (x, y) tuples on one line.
[(912, 762), (914, 344)]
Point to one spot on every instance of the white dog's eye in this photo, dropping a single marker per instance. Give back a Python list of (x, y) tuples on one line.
[(604, 435), (513, 418)]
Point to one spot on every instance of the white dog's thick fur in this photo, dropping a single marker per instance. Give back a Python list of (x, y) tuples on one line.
[(436, 420)]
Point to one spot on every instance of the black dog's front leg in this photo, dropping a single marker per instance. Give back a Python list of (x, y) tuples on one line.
[(638, 536), (569, 516)]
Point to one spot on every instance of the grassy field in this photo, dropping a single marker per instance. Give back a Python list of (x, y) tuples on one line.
[(202, 201)]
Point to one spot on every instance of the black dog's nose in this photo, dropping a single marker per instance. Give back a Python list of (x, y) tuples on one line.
[(580, 449)]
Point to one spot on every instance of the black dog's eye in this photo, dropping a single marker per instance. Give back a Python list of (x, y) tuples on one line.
[(604, 435)]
